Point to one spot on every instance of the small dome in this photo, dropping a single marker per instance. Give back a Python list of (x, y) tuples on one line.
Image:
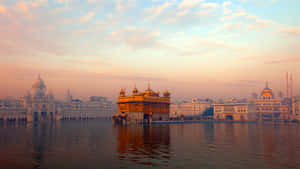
[(267, 92), (39, 84), (135, 90), (122, 92), (166, 93), (38, 88)]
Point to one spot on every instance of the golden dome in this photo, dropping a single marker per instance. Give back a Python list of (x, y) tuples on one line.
[(135, 90), (122, 92), (166, 93), (149, 91), (267, 92)]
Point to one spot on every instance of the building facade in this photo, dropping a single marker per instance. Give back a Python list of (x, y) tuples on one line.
[(233, 111), (296, 108), (95, 107), (191, 109), (12, 109), (39, 104), (142, 106), (269, 108)]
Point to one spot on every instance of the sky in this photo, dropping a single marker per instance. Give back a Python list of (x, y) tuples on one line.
[(193, 48)]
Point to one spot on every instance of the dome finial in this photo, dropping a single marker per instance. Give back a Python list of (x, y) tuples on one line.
[(135, 90), (267, 85)]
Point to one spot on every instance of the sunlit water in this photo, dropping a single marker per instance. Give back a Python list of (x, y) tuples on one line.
[(99, 144)]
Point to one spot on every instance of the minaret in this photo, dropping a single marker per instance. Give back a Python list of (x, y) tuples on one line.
[(69, 96)]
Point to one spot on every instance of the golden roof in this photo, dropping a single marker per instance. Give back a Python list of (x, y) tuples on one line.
[(267, 92), (122, 92)]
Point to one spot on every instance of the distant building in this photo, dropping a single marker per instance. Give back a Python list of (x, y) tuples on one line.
[(40, 103), (190, 109), (12, 109), (296, 108), (142, 106), (234, 111), (96, 107), (269, 108), (265, 108), (37, 105)]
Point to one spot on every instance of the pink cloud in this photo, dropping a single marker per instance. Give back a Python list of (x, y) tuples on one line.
[(294, 59), (3, 10), (290, 30)]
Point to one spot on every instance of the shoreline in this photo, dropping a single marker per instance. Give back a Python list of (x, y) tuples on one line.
[(220, 121)]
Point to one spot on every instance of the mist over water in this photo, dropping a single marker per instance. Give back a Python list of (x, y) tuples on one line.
[(99, 144)]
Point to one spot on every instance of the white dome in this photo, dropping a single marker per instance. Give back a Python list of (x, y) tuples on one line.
[(38, 88), (39, 84)]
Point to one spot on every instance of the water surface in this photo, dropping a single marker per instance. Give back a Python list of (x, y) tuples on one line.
[(99, 144)]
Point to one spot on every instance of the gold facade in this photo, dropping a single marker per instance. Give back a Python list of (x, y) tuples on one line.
[(143, 106)]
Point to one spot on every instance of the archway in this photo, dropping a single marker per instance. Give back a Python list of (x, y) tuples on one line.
[(146, 118), (229, 117)]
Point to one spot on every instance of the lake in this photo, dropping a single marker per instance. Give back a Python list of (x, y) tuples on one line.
[(99, 144)]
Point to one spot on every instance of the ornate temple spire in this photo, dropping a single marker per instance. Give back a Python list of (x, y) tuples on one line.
[(135, 90)]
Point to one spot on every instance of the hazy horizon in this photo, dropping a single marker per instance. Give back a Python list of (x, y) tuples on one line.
[(193, 48)]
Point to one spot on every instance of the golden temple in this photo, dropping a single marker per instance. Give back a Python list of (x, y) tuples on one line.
[(142, 106)]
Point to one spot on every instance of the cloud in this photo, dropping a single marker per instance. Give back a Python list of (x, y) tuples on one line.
[(280, 55), (29, 31), (258, 2), (209, 5), (3, 10), (156, 11), (136, 38), (225, 5), (25, 6), (233, 16), (207, 46), (87, 17), (124, 4), (289, 31), (293, 59), (182, 13), (188, 3), (64, 2), (89, 61)]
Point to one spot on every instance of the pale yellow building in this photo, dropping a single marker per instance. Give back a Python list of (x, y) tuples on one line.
[(269, 108), (191, 109), (296, 109), (96, 107), (233, 111)]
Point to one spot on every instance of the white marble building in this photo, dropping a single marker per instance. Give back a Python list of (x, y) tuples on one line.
[(37, 105)]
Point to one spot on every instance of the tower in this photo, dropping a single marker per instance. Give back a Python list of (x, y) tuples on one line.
[(69, 96)]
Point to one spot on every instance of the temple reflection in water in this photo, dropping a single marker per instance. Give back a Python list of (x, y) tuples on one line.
[(138, 143), (99, 144)]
